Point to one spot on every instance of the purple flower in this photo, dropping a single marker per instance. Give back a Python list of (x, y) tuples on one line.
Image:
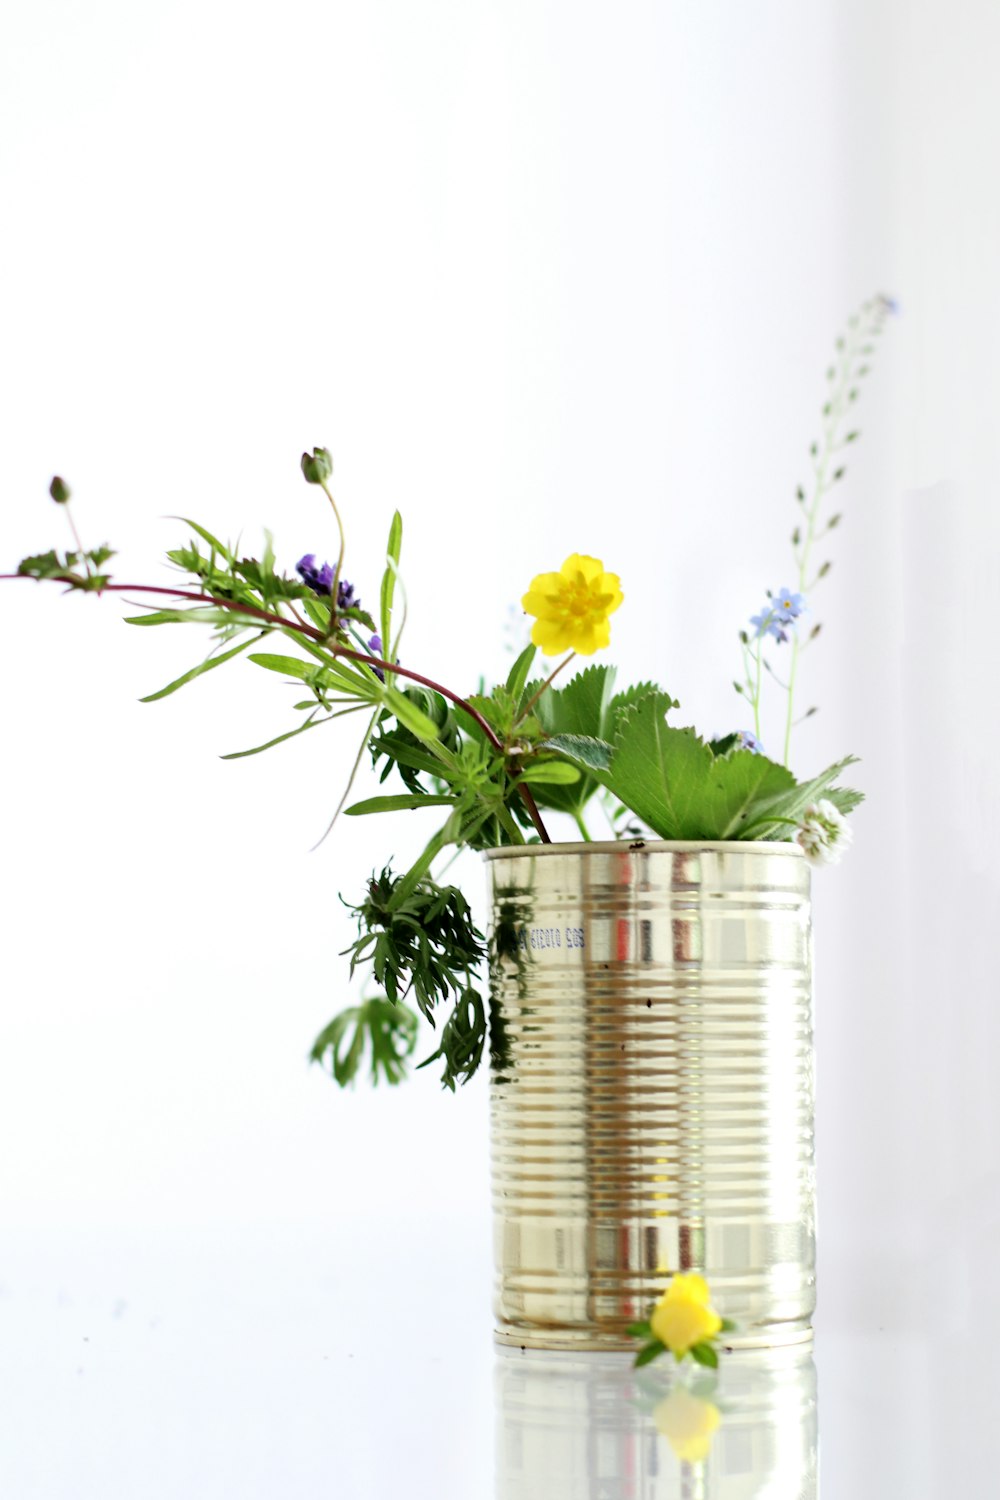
[(788, 605), (749, 741), (320, 580), (375, 649)]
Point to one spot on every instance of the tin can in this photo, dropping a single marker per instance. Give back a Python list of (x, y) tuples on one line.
[(651, 1087)]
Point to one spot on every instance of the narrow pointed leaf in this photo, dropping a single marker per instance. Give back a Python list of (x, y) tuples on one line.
[(199, 671)]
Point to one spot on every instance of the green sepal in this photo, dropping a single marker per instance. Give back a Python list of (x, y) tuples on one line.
[(640, 1330), (649, 1352), (704, 1354)]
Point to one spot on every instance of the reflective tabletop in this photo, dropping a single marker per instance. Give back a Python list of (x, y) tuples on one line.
[(269, 1364)]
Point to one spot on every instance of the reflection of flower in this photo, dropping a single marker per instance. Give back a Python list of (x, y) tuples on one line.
[(823, 833), (687, 1422), (572, 606), (684, 1316)]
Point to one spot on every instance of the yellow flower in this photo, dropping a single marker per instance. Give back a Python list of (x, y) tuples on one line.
[(687, 1422), (572, 606), (684, 1315)]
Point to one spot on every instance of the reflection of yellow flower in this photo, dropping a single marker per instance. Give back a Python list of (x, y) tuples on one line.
[(572, 606), (684, 1316), (687, 1422)]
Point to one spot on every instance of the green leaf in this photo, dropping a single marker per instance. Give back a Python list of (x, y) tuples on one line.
[(773, 815), (158, 617), (410, 716), (396, 803), (518, 675), (728, 1326), (639, 1330), (392, 551), (288, 735), (205, 666), (390, 1031), (649, 1352), (288, 666), (334, 675), (581, 707), (671, 780), (550, 773), (705, 1355), (206, 536), (593, 755)]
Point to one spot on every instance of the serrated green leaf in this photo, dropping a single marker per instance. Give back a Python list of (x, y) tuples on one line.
[(671, 780), (593, 755), (199, 671), (581, 707), (773, 816)]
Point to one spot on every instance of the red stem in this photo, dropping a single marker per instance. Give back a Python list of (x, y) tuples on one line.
[(326, 643)]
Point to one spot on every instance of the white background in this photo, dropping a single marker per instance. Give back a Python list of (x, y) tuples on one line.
[(548, 277)]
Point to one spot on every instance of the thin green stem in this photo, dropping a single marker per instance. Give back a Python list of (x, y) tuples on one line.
[(578, 815), (756, 690), (76, 537), (547, 683), (340, 559)]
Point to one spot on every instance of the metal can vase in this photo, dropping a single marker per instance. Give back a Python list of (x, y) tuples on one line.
[(651, 1087)]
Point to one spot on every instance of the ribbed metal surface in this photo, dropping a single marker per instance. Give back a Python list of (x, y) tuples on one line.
[(652, 1087)]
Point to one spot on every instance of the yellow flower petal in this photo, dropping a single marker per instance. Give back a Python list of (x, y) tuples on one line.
[(689, 1284), (684, 1316), (571, 607)]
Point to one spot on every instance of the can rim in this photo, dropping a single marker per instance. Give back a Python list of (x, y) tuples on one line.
[(649, 846)]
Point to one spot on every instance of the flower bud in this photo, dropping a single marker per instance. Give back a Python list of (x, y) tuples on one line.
[(59, 490), (318, 467)]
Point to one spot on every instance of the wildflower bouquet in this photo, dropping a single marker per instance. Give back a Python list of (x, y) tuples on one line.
[(495, 763)]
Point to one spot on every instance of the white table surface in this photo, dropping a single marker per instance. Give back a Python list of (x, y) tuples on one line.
[(270, 1363)]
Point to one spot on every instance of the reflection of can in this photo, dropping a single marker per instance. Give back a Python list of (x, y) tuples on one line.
[(570, 1428), (652, 1087)]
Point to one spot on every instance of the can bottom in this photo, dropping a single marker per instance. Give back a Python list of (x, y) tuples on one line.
[(589, 1340)]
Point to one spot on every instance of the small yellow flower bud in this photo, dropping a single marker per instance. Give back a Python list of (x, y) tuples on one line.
[(684, 1315)]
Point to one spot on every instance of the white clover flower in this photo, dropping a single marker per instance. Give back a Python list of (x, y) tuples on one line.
[(823, 833)]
